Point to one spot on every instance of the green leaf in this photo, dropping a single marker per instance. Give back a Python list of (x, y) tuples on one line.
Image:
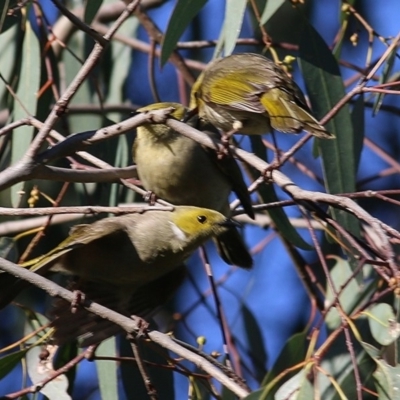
[(9, 49), (270, 8), (255, 340), (181, 17), (384, 77), (8, 249), (39, 370), (107, 370), (338, 365), (292, 353), (10, 361), (7, 21), (268, 195), (91, 8), (297, 385), (387, 381), (234, 13), (28, 85), (357, 119), (349, 296), (382, 321), (325, 89)]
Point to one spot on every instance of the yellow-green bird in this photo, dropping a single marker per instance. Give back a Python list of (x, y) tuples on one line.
[(130, 263), (181, 171), (251, 94)]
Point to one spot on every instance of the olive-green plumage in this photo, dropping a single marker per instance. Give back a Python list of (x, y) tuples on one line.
[(250, 93), (132, 263), (181, 171)]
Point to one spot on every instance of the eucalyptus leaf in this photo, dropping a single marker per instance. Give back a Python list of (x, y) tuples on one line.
[(382, 321), (271, 7), (325, 89), (107, 370), (234, 14), (10, 361), (91, 8), (387, 381), (181, 17), (28, 85), (383, 78), (349, 291), (268, 195)]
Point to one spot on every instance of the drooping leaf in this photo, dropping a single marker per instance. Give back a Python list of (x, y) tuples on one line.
[(387, 380), (91, 8), (297, 385), (107, 370), (382, 321), (270, 8), (256, 342), (40, 369), (358, 120), (7, 20), (383, 78), (181, 17), (349, 295), (268, 195), (292, 353), (234, 13), (10, 361), (26, 103), (325, 88)]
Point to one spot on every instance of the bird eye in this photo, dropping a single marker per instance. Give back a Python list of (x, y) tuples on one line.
[(202, 219)]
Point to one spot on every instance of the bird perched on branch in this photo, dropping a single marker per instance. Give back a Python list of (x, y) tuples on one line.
[(251, 94), (181, 171), (130, 263)]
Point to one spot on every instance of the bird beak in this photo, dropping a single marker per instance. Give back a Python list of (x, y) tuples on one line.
[(230, 223)]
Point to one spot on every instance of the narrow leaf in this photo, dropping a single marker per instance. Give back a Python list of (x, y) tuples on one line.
[(387, 70), (10, 361), (270, 8), (181, 17), (28, 85), (234, 13), (91, 8), (382, 322), (268, 195), (107, 370), (325, 88), (357, 118), (387, 381)]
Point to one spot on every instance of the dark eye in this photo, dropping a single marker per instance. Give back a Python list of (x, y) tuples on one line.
[(202, 219)]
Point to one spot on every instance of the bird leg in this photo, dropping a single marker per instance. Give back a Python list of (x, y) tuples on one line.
[(226, 139), (276, 162)]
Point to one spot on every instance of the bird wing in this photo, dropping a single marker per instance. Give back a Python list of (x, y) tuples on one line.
[(243, 93), (91, 328), (80, 235), (231, 171)]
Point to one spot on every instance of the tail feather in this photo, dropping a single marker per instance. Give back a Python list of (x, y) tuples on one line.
[(233, 250), (289, 117)]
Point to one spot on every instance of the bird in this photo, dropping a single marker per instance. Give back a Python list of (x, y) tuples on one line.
[(181, 171), (132, 263), (249, 93)]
